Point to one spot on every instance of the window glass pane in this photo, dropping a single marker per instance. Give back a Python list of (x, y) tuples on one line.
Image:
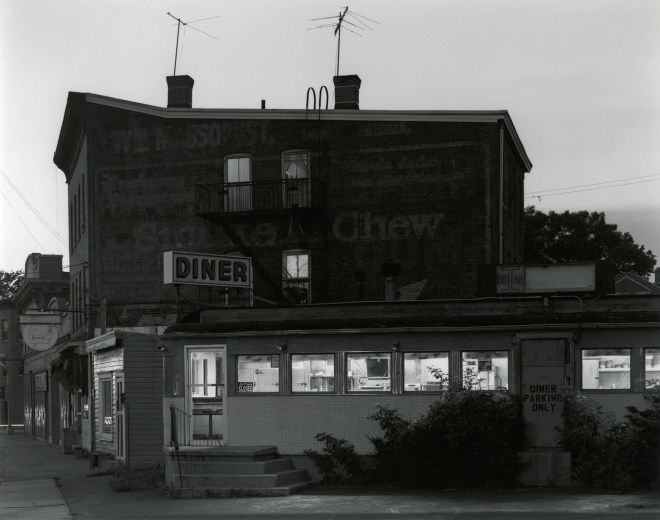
[(297, 265), (296, 165), (260, 373), (313, 373), (244, 169), (232, 170), (425, 371), (486, 369), (606, 369), (206, 374), (368, 372), (106, 406), (652, 367)]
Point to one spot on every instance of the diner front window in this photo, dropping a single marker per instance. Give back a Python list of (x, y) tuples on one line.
[(258, 374), (312, 373), (369, 372), (606, 369), (652, 367), (486, 369), (425, 371)]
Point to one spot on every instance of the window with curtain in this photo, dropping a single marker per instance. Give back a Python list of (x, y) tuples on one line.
[(295, 174), (296, 282)]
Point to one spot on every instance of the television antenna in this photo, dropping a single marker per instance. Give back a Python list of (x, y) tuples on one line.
[(188, 24), (357, 22)]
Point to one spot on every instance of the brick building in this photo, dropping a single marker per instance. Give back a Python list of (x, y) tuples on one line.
[(327, 203)]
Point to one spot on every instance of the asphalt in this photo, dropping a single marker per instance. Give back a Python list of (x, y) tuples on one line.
[(38, 481)]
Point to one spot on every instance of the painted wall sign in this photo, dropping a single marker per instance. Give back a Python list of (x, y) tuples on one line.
[(510, 279), (542, 398), (353, 226), (203, 269)]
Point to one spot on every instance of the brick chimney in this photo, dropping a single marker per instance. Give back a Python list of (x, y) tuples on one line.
[(179, 91), (347, 92)]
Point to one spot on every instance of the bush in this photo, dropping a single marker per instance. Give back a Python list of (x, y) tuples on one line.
[(338, 462), (610, 454), (466, 439), (138, 478)]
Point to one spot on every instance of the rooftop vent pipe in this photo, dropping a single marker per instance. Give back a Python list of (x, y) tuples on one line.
[(179, 91)]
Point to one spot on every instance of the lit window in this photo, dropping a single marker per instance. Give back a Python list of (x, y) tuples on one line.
[(368, 372), (5, 330), (486, 370), (258, 374), (105, 401), (238, 185), (425, 371), (206, 374), (296, 281), (606, 369), (295, 173), (312, 373), (652, 366)]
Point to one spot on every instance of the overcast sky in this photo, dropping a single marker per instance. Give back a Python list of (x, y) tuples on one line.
[(580, 78)]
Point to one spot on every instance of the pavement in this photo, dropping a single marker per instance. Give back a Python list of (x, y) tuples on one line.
[(38, 481)]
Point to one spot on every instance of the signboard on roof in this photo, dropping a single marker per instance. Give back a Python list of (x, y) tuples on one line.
[(204, 269), (548, 279)]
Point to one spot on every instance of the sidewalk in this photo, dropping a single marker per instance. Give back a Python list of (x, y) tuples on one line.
[(38, 481)]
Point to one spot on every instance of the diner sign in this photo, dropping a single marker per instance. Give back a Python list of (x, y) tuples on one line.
[(204, 269)]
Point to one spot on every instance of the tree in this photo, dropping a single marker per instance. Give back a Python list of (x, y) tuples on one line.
[(10, 282), (579, 236)]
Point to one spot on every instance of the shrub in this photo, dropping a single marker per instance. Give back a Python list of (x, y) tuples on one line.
[(138, 478), (338, 462), (466, 439), (610, 454)]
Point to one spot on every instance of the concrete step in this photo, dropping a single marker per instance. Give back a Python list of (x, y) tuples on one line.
[(235, 492), (219, 481), (194, 467)]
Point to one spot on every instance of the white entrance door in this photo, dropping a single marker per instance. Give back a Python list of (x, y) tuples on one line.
[(205, 396), (120, 407)]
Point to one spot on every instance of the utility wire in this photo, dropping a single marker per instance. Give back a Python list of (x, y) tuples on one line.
[(34, 210), (22, 222), (588, 189), (594, 184)]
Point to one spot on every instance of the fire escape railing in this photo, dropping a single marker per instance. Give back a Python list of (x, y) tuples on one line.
[(260, 196)]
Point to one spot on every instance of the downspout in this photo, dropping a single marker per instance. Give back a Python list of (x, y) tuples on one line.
[(501, 204)]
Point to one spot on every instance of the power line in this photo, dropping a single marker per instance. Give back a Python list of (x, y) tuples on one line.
[(588, 189), (34, 210), (593, 184), (22, 222)]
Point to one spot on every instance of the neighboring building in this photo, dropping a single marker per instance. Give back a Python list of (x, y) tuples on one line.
[(631, 283), (11, 381), (49, 403)]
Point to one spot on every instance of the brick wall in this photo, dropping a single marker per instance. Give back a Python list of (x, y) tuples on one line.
[(422, 194)]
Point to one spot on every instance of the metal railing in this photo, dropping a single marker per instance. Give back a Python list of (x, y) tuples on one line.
[(182, 429), (238, 197)]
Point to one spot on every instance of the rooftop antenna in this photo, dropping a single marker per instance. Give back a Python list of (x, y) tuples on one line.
[(358, 23), (188, 24)]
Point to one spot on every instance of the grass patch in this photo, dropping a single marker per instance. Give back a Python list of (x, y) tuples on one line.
[(137, 478)]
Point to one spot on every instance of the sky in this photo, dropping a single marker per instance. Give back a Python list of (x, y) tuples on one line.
[(580, 79)]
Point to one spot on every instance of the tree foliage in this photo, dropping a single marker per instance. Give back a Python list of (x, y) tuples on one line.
[(10, 282), (580, 236)]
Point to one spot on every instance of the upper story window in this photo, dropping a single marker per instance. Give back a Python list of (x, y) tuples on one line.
[(295, 174), (296, 282), (238, 183)]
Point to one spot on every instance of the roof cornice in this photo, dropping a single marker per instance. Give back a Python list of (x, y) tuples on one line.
[(445, 116)]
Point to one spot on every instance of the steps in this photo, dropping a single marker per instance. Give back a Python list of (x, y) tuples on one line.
[(231, 471)]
